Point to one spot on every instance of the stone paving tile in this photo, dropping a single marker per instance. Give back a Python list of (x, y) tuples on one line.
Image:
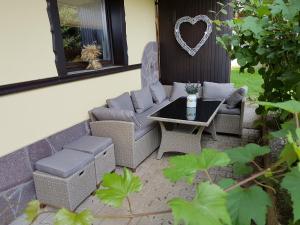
[(157, 190)]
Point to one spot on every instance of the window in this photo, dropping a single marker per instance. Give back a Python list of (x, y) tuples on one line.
[(80, 23)]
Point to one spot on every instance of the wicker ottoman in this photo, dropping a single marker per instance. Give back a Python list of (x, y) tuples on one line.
[(101, 148), (65, 179)]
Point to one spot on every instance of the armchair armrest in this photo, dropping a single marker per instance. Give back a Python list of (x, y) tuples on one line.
[(243, 106), (122, 134)]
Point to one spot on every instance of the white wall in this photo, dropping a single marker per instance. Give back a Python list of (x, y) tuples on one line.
[(29, 116)]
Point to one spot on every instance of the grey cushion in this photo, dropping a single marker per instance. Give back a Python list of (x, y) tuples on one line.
[(224, 110), (121, 102), (103, 113), (64, 163), (142, 99), (178, 91), (217, 91), (158, 92), (90, 144), (236, 97)]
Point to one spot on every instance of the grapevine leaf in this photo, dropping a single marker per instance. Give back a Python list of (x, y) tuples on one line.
[(240, 200), (187, 166), (117, 187), (241, 169), (208, 207), (247, 153), (290, 152), (286, 127), (291, 182), (65, 217), (291, 106), (32, 210)]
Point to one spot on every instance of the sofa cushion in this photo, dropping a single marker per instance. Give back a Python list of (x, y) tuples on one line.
[(142, 99), (139, 133), (158, 92), (90, 144), (178, 91), (121, 102), (224, 110), (236, 97), (64, 163), (103, 113), (217, 91)]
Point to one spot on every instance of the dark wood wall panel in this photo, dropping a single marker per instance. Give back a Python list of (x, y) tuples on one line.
[(211, 63)]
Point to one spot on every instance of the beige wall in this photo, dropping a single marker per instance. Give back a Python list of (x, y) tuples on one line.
[(29, 116)]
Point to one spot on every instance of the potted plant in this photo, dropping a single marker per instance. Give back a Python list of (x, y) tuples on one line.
[(192, 91)]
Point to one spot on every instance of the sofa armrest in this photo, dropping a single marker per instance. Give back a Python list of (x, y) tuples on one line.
[(243, 106), (168, 89), (122, 134)]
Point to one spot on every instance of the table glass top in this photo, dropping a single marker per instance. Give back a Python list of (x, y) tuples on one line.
[(179, 111)]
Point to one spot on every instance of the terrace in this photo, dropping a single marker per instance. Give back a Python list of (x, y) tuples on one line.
[(134, 112)]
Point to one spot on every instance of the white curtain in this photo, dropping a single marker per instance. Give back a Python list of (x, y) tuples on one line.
[(93, 25)]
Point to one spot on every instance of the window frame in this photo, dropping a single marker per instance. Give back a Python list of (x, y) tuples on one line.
[(117, 32)]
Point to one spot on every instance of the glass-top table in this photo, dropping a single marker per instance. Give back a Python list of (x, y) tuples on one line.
[(187, 125)]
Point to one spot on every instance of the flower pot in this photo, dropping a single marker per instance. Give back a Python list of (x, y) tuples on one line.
[(191, 101)]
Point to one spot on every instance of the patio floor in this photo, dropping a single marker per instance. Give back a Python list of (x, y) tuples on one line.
[(157, 190)]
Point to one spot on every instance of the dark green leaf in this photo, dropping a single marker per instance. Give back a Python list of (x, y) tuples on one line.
[(116, 187), (241, 169), (207, 208), (291, 182)]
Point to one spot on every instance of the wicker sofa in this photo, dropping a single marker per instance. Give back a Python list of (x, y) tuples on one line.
[(132, 144)]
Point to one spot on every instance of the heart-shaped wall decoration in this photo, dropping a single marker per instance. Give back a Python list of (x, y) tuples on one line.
[(193, 21)]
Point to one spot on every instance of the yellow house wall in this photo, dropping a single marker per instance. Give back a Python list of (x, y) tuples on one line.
[(29, 116)]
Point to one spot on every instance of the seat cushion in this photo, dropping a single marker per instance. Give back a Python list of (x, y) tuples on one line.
[(103, 113), (178, 91), (158, 92), (224, 110), (236, 97), (121, 102), (142, 99), (139, 133), (217, 91), (64, 163), (90, 144)]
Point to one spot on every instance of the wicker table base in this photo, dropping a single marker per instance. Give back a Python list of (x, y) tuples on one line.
[(185, 139)]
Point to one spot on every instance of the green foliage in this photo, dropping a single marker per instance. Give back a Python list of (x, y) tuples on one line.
[(286, 128), (265, 36), (187, 166), (207, 208), (247, 153), (32, 210), (291, 183), (291, 106), (65, 217), (246, 204), (241, 169), (117, 187), (192, 89)]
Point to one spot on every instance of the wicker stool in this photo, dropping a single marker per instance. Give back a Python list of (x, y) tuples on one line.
[(65, 179), (101, 148)]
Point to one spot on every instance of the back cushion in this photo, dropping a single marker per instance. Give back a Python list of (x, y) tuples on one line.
[(217, 91), (142, 99), (121, 102), (179, 91), (158, 92)]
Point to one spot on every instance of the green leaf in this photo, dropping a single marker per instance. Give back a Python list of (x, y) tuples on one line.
[(117, 187), (286, 128), (290, 152), (246, 204), (207, 208), (291, 182), (263, 11), (220, 3), (32, 210), (241, 169), (223, 11), (187, 166), (291, 106), (247, 153), (65, 217), (252, 23)]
